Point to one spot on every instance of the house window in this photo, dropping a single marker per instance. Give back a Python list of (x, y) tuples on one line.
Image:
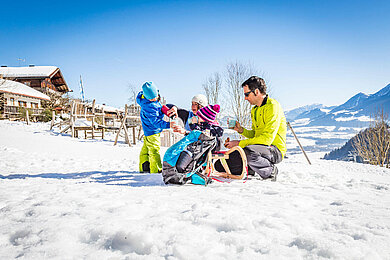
[(22, 103), (34, 105), (12, 101)]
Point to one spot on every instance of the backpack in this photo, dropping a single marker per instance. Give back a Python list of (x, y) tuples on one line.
[(186, 160)]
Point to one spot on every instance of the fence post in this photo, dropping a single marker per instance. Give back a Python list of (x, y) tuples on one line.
[(27, 117), (53, 117), (134, 135)]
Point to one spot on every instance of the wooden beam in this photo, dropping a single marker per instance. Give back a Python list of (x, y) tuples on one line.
[(27, 117), (122, 125), (53, 116)]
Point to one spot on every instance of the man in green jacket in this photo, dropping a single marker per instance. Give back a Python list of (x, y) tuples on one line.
[(265, 145)]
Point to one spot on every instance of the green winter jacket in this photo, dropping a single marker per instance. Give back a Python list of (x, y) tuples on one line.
[(268, 126)]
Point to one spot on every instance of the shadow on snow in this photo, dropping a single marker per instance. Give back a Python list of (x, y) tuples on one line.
[(120, 178), (83, 140)]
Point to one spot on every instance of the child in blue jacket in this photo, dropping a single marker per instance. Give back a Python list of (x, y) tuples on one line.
[(152, 124)]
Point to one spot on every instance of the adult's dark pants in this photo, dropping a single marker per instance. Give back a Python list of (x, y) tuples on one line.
[(261, 160)]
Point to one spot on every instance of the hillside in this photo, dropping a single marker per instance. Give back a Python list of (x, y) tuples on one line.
[(355, 112), (323, 129), (347, 152), (64, 198)]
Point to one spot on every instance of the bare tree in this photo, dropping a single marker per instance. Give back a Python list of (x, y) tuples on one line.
[(236, 73), (2, 96), (373, 143), (3, 102), (56, 100), (212, 87), (4, 80), (133, 94), (3, 99)]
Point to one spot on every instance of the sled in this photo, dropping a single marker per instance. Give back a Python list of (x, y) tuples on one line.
[(223, 156)]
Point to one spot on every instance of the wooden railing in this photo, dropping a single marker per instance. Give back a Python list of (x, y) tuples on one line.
[(169, 138), (15, 110), (11, 110)]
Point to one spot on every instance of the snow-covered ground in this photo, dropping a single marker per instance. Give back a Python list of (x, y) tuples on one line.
[(64, 198)]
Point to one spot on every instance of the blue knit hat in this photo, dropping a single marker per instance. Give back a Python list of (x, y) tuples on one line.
[(150, 90)]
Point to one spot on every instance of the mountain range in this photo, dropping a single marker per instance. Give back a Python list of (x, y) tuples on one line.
[(355, 112), (324, 128)]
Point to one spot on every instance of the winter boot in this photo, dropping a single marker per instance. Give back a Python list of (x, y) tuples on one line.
[(251, 172), (146, 167), (274, 173)]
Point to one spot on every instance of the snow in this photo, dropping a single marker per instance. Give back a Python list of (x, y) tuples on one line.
[(341, 112), (67, 198), (359, 118), (300, 122), (20, 89), (107, 108), (34, 71), (356, 129), (82, 122), (325, 110)]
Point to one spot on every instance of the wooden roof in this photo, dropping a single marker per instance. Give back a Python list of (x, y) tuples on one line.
[(37, 72)]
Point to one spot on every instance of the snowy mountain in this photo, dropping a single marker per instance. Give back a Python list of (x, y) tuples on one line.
[(313, 113), (323, 129), (383, 92), (292, 114), (352, 102), (355, 112)]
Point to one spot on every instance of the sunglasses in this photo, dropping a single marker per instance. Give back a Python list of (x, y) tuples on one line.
[(247, 93)]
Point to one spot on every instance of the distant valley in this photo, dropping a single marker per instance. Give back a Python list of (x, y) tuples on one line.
[(322, 129)]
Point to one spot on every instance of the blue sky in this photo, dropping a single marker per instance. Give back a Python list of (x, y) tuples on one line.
[(308, 51)]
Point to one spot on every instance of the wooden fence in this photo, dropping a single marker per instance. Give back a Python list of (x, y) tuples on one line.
[(168, 138)]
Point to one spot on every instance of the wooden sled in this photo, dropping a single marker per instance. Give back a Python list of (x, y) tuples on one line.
[(222, 155)]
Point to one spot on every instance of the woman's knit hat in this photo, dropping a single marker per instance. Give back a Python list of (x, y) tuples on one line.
[(200, 99), (149, 90), (209, 113)]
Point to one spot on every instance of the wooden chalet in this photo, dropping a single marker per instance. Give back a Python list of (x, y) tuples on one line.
[(15, 96), (46, 79)]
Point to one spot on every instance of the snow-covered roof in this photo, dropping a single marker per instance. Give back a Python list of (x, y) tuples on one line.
[(14, 87), (107, 108), (34, 71)]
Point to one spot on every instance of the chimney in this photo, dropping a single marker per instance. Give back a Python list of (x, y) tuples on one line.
[(31, 65)]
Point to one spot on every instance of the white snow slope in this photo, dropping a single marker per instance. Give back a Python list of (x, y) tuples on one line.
[(64, 198)]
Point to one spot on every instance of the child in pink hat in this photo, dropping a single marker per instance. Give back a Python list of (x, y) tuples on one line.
[(206, 120)]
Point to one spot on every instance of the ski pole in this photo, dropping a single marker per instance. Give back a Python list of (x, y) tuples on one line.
[(300, 146)]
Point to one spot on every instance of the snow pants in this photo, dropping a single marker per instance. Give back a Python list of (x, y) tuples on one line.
[(260, 159), (150, 154)]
